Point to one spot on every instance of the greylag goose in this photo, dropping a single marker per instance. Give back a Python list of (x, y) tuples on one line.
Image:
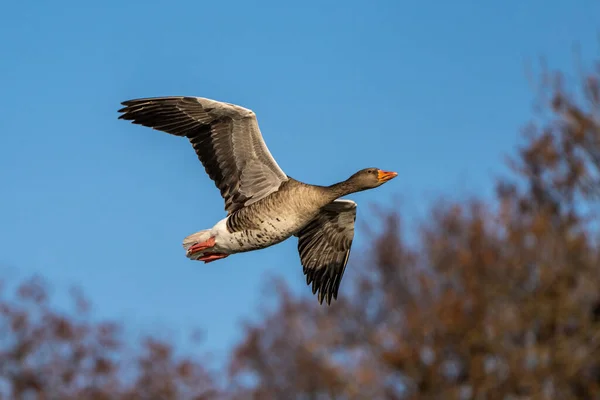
[(264, 205)]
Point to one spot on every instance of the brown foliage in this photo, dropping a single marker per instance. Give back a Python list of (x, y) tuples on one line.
[(496, 301), (47, 355)]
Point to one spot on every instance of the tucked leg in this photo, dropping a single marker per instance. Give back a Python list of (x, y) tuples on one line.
[(198, 247), (210, 257)]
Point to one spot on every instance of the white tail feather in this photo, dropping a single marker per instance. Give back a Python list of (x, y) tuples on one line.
[(194, 238)]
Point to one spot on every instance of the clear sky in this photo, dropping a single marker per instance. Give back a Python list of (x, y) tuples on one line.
[(434, 90)]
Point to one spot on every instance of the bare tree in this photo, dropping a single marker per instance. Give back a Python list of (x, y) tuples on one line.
[(48, 355)]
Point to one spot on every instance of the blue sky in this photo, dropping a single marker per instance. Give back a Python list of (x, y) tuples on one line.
[(436, 91)]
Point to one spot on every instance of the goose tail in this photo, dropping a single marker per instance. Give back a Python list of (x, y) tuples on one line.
[(196, 238)]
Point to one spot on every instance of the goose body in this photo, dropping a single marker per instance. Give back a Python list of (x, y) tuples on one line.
[(264, 205), (264, 223)]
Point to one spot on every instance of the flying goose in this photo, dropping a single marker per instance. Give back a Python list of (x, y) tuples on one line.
[(264, 205)]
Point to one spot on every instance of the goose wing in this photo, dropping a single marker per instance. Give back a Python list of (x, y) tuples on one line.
[(324, 247), (226, 138)]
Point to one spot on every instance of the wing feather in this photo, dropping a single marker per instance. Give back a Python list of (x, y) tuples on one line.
[(324, 248), (225, 137)]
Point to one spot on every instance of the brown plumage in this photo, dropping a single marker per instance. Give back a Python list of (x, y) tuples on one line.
[(264, 206)]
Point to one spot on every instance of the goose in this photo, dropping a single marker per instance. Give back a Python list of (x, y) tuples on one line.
[(264, 205)]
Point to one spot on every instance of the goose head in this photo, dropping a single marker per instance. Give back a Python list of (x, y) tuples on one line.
[(370, 178)]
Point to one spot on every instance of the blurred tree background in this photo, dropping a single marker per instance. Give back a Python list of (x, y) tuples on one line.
[(496, 300)]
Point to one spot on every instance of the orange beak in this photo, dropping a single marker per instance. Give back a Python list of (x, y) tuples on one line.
[(384, 176)]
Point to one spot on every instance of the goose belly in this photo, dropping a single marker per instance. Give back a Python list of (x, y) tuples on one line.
[(264, 233)]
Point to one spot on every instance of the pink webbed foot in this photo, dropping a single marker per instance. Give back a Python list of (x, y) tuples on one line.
[(198, 247), (210, 257)]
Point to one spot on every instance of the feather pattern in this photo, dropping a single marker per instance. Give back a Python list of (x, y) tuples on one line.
[(226, 139), (324, 247)]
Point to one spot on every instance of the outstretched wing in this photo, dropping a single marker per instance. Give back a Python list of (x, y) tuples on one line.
[(324, 247), (226, 139)]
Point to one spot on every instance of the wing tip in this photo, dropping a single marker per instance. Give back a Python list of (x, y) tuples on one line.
[(125, 112), (327, 295), (326, 289)]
